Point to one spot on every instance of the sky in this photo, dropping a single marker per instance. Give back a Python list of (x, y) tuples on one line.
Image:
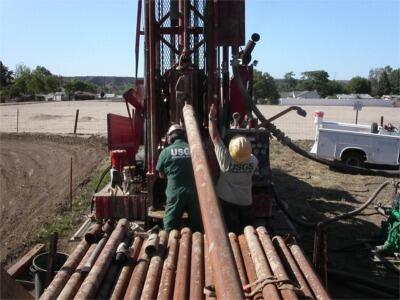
[(346, 38)]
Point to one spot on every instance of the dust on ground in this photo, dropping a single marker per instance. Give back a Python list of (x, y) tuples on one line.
[(34, 181), (314, 193)]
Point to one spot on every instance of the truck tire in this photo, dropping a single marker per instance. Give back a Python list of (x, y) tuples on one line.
[(354, 159)]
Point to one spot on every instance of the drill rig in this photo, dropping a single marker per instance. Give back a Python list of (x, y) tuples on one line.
[(188, 46)]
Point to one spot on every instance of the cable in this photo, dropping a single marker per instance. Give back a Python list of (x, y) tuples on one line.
[(98, 186), (284, 140)]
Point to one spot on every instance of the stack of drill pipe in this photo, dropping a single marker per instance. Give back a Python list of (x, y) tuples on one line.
[(55, 287), (179, 267), (126, 272), (93, 234), (92, 282)]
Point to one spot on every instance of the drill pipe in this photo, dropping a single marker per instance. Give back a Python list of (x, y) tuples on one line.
[(275, 263), (208, 273), (151, 283), (227, 281), (238, 258), (95, 254), (263, 270), (165, 291), (248, 263), (181, 289), (308, 272), (197, 267), (76, 279), (96, 275), (55, 287), (152, 244), (109, 281), (126, 272), (287, 258), (135, 286), (93, 234)]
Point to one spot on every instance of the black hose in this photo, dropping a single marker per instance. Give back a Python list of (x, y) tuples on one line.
[(284, 140), (337, 218), (335, 274), (98, 185)]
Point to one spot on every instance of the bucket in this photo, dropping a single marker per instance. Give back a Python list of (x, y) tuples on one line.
[(39, 268)]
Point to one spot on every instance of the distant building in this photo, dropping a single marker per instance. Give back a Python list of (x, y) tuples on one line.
[(301, 95), (354, 96), (57, 96)]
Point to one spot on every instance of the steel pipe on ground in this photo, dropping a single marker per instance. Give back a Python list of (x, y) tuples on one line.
[(275, 263), (94, 233), (288, 259), (126, 272), (208, 273), (261, 266), (59, 281), (227, 281), (238, 258), (308, 272), (248, 263), (151, 283), (196, 290), (92, 282), (95, 254), (109, 281), (76, 279), (181, 288), (165, 290)]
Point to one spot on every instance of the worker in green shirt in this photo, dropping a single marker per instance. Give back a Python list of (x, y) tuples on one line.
[(175, 164)]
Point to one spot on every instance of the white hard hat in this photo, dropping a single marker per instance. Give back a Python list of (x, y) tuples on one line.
[(174, 127)]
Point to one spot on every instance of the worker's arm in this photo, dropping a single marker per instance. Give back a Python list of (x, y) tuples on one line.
[(162, 175), (212, 124)]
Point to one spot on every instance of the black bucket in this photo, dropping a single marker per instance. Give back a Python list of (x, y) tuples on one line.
[(39, 268)]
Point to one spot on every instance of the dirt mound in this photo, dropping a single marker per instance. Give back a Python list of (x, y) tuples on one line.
[(34, 180)]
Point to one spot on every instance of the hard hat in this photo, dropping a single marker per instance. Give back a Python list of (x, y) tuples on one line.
[(174, 127), (240, 149)]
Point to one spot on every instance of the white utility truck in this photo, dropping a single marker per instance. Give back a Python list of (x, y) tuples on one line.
[(356, 144)]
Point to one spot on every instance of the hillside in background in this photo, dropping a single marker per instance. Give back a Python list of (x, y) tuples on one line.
[(109, 84)]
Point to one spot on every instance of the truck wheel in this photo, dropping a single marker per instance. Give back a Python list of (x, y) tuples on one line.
[(354, 159)]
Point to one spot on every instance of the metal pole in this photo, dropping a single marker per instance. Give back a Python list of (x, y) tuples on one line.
[(51, 257), (356, 116), (70, 185), (227, 281), (76, 120)]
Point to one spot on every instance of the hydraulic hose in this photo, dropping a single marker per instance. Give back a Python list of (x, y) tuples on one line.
[(349, 214), (98, 185), (284, 140)]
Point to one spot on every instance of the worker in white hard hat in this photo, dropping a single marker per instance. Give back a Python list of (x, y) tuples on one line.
[(175, 164), (234, 188)]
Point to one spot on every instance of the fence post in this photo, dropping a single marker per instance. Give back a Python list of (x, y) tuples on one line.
[(76, 120), (17, 120), (70, 185)]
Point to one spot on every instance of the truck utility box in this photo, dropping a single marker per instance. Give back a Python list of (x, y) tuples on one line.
[(356, 144)]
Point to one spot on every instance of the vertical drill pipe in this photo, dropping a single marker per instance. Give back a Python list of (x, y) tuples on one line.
[(263, 270), (76, 279), (126, 272), (308, 272), (152, 86), (183, 7), (92, 282), (288, 259), (248, 263), (196, 290), (227, 281), (165, 290), (151, 284), (181, 289), (208, 273), (51, 257), (274, 261), (55, 287), (238, 258)]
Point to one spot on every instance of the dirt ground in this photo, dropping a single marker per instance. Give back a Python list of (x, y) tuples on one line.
[(314, 193), (59, 117), (34, 182)]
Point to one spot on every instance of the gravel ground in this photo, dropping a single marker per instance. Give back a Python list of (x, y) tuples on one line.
[(59, 117)]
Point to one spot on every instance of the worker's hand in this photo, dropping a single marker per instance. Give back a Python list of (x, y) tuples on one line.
[(213, 112)]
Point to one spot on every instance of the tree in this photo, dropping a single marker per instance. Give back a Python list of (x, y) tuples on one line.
[(359, 85), (290, 81), (374, 75), (383, 85), (335, 87), (315, 80), (73, 86), (264, 87), (6, 76), (394, 79)]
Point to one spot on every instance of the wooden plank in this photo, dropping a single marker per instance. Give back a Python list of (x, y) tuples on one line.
[(11, 289), (23, 264)]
